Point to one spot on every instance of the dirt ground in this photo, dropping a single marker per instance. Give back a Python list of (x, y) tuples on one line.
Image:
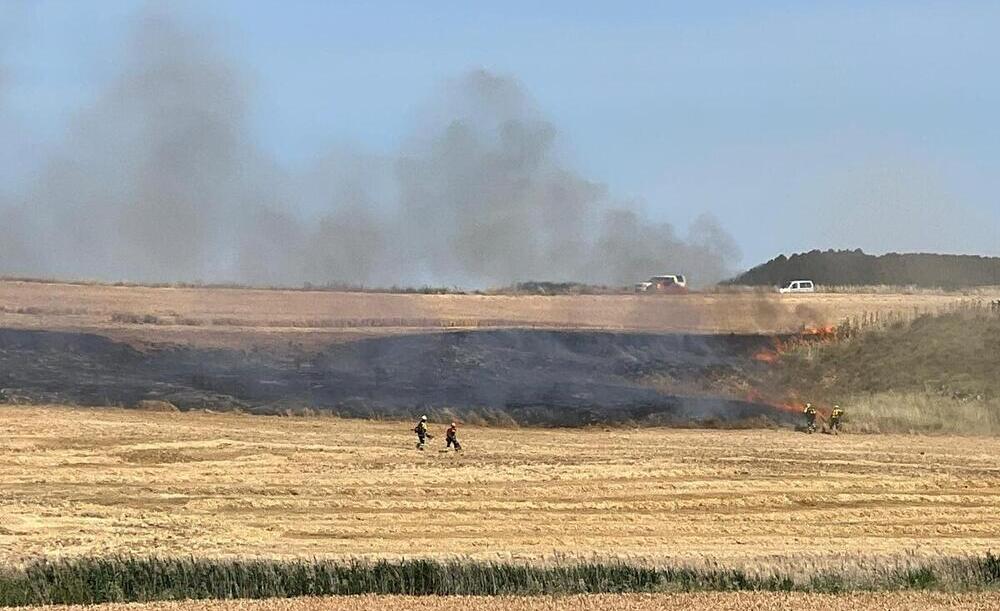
[(85, 481), (235, 317), (738, 601)]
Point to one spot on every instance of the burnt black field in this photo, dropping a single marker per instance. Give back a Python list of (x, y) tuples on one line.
[(555, 378)]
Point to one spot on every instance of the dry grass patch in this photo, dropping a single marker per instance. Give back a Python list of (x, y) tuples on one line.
[(923, 413)]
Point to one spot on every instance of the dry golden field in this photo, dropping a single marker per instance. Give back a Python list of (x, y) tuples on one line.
[(738, 601), (217, 316), (99, 481)]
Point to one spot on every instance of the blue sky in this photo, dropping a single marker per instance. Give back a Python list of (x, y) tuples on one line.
[(799, 125)]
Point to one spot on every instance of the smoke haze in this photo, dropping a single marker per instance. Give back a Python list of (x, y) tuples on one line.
[(161, 180)]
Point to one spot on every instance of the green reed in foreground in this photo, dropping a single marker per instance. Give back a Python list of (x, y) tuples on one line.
[(133, 579)]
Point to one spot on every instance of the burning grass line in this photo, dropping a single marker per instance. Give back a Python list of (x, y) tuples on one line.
[(92, 580)]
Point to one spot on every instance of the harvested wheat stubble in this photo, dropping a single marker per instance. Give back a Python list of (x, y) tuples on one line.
[(103, 481), (737, 601), (236, 317)]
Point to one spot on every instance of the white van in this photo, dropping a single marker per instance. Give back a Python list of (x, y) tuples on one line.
[(798, 286)]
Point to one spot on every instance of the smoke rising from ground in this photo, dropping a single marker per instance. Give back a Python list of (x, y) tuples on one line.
[(161, 180)]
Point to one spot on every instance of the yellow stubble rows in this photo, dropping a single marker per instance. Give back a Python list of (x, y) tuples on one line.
[(86, 481)]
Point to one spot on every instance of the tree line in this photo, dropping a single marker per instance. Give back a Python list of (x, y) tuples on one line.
[(857, 268)]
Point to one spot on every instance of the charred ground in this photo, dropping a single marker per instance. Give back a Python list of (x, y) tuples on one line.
[(497, 376), (695, 360)]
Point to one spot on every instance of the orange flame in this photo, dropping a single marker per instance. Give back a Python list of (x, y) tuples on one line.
[(808, 335), (789, 405), (767, 355), (826, 333), (773, 353)]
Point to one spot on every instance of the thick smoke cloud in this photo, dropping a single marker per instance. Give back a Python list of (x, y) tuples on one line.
[(14, 250), (161, 180)]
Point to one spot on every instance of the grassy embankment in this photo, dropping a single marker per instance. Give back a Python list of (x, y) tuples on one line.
[(933, 374)]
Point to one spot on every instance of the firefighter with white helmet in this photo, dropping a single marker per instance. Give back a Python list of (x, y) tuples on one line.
[(810, 414), (422, 434)]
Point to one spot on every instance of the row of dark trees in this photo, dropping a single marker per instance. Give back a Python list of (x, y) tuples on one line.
[(856, 268)]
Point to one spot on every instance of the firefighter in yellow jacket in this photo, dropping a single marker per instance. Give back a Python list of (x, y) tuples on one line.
[(422, 434), (835, 417)]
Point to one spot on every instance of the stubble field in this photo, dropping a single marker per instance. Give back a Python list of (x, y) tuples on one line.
[(103, 481), (236, 317), (738, 601)]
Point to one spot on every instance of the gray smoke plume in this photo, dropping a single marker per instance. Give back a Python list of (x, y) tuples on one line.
[(15, 252), (152, 175), (161, 181)]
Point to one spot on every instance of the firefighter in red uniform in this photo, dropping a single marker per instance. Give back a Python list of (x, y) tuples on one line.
[(451, 437)]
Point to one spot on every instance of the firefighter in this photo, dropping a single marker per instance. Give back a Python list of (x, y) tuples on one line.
[(422, 434), (451, 438), (835, 416), (810, 413)]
